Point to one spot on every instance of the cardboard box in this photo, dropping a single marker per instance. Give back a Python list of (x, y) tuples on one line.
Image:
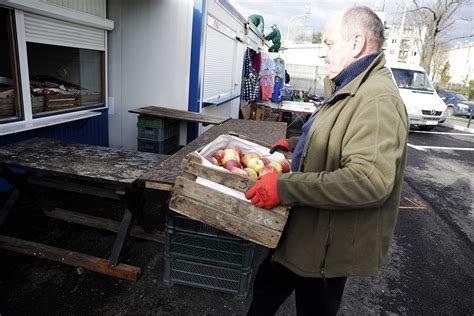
[(215, 196)]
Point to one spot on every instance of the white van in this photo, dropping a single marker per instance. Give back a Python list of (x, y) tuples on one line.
[(425, 108)]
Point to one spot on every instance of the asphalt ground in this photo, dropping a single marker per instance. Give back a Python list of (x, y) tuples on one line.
[(429, 269)]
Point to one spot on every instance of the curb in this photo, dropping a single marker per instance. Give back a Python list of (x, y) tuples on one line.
[(459, 127)]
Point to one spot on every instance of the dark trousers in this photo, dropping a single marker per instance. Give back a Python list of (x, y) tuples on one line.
[(314, 296)]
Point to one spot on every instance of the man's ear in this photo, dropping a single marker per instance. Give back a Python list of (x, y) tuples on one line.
[(359, 44)]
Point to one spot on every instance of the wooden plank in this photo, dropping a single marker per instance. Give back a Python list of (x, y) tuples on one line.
[(274, 218), (122, 235), (161, 112), (232, 180), (123, 271), (225, 221), (102, 223), (157, 185)]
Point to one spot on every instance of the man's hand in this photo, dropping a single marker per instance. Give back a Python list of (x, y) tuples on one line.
[(264, 193), (281, 145)]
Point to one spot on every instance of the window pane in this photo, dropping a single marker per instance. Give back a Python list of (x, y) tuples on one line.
[(66, 78), (9, 92)]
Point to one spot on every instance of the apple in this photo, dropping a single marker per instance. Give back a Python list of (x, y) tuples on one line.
[(212, 160), (230, 154), (238, 171), (238, 150), (252, 174), (267, 169), (219, 155), (255, 164), (249, 156), (229, 164), (265, 160), (285, 165), (276, 165)]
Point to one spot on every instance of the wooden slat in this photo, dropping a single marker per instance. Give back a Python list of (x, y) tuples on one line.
[(161, 112), (232, 180), (123, 271), (274, 219), (225, 221), (102, 223)]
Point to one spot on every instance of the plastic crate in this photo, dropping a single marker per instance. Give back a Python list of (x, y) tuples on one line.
[(158, 147), (158, 133), (201, 275), (149, 121), (212, 250), (183, 223)]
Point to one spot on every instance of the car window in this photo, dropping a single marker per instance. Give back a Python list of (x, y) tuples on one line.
[(412, 79), (460, 97)]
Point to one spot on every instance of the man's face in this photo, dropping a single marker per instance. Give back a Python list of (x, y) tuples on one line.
[(336, 51)]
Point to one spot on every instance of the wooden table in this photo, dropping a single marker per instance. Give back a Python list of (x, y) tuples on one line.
[(297, 108), (161, 112), (164, 175), (93, 170)]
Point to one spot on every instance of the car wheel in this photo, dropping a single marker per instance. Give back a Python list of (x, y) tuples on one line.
[(450, 111), (426, 127)]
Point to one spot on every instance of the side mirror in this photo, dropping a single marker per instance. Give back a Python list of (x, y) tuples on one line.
[(443, 98)]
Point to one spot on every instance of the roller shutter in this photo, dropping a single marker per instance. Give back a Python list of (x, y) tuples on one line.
[(40, 29)]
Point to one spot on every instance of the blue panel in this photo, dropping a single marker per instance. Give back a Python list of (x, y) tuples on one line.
[(92, 131), (195, 71)]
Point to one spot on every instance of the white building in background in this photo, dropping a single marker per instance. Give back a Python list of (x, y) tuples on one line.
[(461, 61), (405, 52)]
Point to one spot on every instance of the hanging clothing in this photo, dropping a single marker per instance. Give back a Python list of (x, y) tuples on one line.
[(266, 85), (257, 62), (279, 68), (276, 96), (249, 80)]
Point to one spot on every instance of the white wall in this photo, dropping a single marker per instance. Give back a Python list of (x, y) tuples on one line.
[(461, 60), (94, 7), (148, 61)]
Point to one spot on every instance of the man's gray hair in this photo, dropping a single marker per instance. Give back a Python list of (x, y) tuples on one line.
[(363, 19)]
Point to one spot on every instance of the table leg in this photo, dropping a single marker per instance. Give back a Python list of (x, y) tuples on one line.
[(122, 235), (6, 208)]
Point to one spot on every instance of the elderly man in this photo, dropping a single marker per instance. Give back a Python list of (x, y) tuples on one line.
[(347, 177)]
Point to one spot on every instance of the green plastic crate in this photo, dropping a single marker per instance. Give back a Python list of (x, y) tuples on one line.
[(158, 133), (158, 147), (149, 121)]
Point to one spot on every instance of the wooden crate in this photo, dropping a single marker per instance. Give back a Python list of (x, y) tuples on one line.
[(7, 107), (223, 211), (58, 102), (37, 104)]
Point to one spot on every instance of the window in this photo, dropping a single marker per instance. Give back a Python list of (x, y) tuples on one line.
[(412, 79), (10, 105), (64, 78)]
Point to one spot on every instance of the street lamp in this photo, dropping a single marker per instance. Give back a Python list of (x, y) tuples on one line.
[(307, 12)]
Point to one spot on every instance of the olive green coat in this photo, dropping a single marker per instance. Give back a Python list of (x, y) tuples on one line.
[(346, 197)]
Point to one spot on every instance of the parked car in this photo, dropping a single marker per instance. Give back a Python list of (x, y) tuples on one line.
[(425, 108), (457, 103)]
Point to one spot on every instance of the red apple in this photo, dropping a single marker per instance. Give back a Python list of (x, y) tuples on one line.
[(238, 171), (276, 165), (238, 150), (212, 160), (219, 155), (230, 154), (267, 169), (231, 164), (252, 174), (285, 165), (249, 156), (265, 160), (255, 164)]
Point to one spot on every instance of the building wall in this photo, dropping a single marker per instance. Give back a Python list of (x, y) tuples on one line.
[(94, 7), (148, 61), (461, 60), (409, 50)]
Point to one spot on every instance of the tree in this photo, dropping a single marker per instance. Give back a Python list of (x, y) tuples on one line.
[(317, 38), (436, 19), (445, 77), (437, 63)]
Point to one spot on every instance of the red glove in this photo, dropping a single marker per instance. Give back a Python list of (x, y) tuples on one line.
[(264, 193), (281, 145)]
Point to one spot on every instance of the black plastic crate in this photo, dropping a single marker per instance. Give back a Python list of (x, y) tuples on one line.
[(183, 223), (158, 147), (211, 250), (202, 275), (158, 133)]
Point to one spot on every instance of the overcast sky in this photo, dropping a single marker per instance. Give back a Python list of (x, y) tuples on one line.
[(280, 11)]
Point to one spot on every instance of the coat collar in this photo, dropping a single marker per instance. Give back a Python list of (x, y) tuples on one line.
[(352, 87)]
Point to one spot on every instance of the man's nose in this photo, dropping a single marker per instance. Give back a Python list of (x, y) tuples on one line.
[(322, 52)]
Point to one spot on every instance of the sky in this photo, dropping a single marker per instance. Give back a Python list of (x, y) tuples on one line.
[(280, 11)]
